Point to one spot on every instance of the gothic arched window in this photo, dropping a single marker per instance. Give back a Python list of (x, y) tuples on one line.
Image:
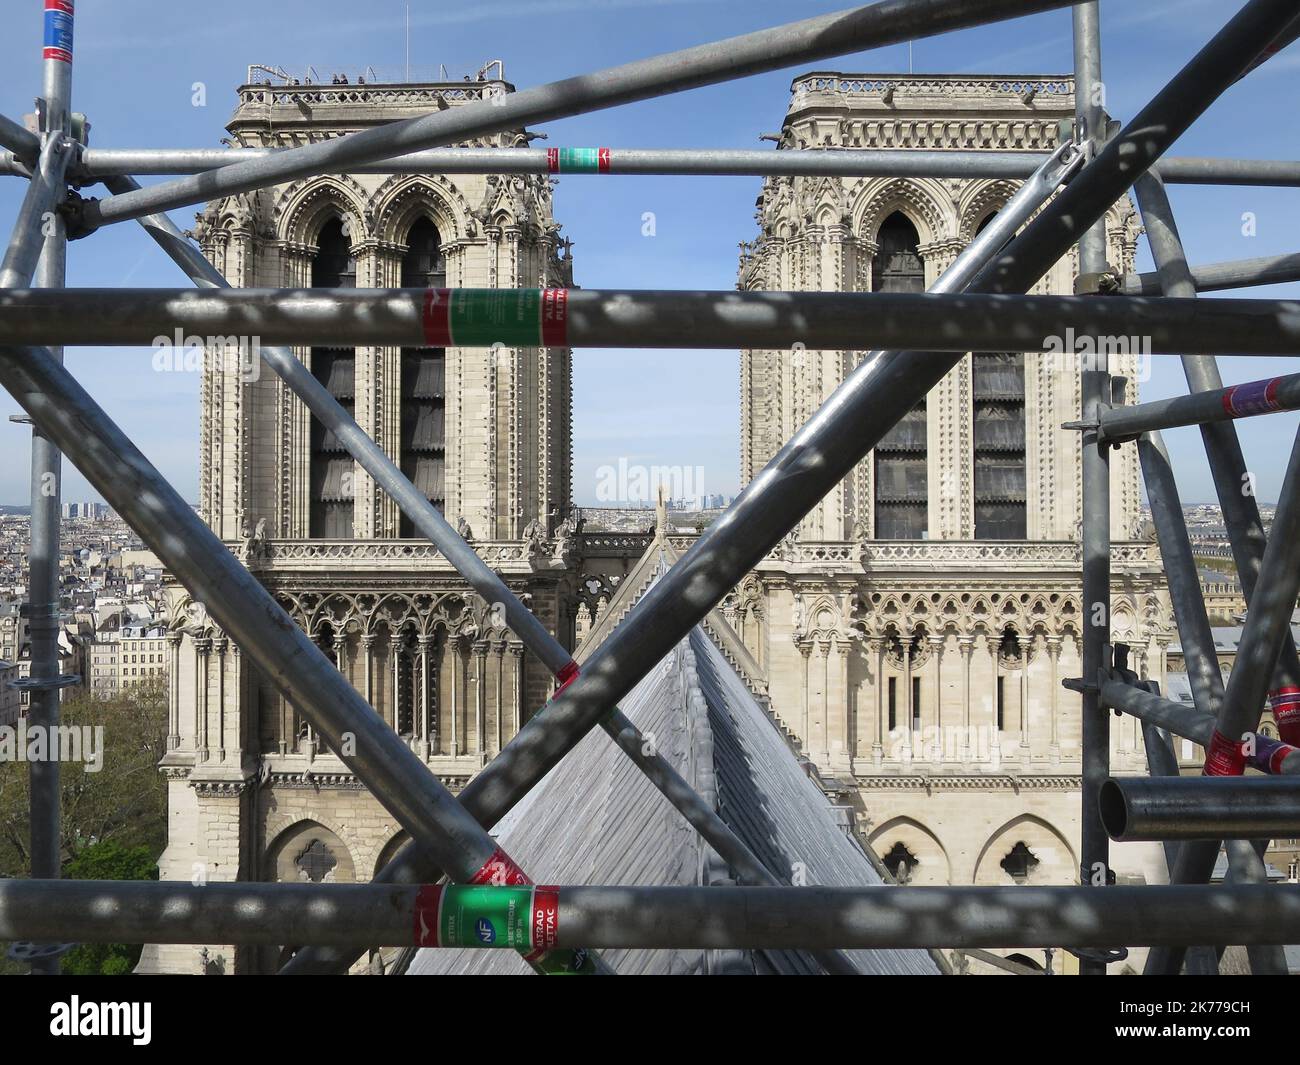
[(423, 385), (998, 434), (332, 469), (901, 457)]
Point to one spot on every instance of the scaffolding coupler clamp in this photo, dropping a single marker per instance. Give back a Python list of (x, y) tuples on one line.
[(1102, 283), (73, 210)]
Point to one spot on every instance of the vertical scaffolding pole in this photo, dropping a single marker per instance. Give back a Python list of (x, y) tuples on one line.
[(43, 554), (1095, 528), (1234, 489), (1245, 862)]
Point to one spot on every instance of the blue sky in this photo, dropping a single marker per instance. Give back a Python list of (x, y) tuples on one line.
[(137, 61)]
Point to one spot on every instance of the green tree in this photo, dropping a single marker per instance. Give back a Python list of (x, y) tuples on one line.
[(109, 860), (123, 804)]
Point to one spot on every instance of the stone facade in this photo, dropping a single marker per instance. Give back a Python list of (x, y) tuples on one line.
[(485, 432), (914, 631)]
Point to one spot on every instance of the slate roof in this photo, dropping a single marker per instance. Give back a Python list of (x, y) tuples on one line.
[(596, 820)]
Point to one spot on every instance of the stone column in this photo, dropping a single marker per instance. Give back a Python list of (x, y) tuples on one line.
[(422, 724), (1054, 656), (966, 646), (499, 654), (221, 645), (480, 695), (394, 682), (805, 649), (994, 641), (1025, 645), (837, 706), (174, 690), (878, 743), (907, 697), (517, 655), (457, 684), (936, 748), (367, 642), (202, 651)]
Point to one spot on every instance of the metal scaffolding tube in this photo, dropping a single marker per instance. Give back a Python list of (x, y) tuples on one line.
[(95, 164), (1190, 618), (1065, 326), (1268, 618), (1175, 718), (36, 214), (19, 140), (1187, 170), (403, 784), (98, 163), (1119, 424), (48, 234), (852, 918), (1180, 808), (1216, 277), (430, 523), (886, 22), (1094, 868), (799, 466), (1240, 514)]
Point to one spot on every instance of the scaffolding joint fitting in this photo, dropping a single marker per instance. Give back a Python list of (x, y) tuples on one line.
[(1101, 283), (73, 210)]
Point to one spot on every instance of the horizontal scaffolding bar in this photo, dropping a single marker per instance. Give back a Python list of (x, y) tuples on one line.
[(97, 163), (23, 145), (838, 33), (1225, 404), (1216, 277), (652, 917), (741, 162), (1146, 808), (1200, 171), (1191, 724), (921, 321)]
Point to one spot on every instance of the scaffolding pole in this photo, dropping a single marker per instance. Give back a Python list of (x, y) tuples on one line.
[(1065, 327), (1119, 424), (1095, 525), (1234, 489), (887, 22), (98, 163), (1216, 277), (654, 918), (1182, 808)]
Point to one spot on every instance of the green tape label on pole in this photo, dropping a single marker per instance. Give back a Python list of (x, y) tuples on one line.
[(482, 317), (472, 916), (577, 160)]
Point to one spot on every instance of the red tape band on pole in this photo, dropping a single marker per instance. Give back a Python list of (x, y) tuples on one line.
[(1223, 757), (1285, 705), (1255, 397)]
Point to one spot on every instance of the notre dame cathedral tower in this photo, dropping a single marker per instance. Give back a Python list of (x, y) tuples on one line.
[(485, 434)]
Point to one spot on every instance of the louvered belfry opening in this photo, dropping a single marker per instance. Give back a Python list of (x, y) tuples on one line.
[(424, 371), (332, 469), (901, 457), (998, 438)]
